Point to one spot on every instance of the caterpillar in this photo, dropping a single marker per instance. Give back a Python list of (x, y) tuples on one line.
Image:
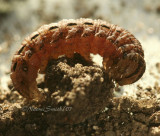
[(123, 56)]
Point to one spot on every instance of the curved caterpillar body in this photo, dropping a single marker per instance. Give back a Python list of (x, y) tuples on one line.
[(121, 51)]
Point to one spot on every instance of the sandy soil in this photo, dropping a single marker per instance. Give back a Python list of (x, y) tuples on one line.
[(72, 107)]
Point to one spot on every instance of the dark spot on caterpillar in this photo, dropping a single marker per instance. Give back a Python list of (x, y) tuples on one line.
[(60, 36), (79, 31), (14, 66), (24, 65), (118, 31), (87, 23), (22, 82), (30, 53), (116, 42), (71, 24), (55, 40), (21, 49), (105, 26), (31, 48), (25, 69), (41, 45), (102, 35), (130, 39), (53, 27), (111, 40), (33, 37), (115, 61), (124, 54), (86, 34)]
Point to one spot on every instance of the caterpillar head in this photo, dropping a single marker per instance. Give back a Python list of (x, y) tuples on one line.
[(128, 69)]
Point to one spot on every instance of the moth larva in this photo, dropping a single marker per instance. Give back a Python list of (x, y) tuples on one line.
[(123, 56)]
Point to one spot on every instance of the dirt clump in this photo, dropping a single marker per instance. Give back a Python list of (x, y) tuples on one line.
[(80, 102)]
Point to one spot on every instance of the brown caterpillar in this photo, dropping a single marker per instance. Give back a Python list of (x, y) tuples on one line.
[(121, 51)]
